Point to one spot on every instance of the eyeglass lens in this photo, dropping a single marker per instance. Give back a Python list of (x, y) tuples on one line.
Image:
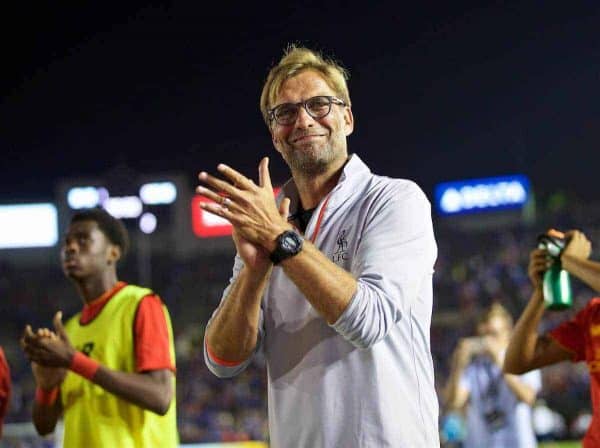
[(317, 107)]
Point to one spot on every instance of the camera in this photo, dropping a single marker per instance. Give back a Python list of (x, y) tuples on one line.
[(495, 419), (477, 345)]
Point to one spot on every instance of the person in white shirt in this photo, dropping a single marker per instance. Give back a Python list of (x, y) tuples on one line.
[(333, 280), (498, 405)]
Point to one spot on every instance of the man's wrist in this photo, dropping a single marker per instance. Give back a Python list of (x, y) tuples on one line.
[(84, 366), (46, 397), (566, 261), (538, 291), (270, 240), (259, 272)]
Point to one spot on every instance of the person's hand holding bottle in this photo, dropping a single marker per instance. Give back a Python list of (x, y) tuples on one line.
[(578, 246)]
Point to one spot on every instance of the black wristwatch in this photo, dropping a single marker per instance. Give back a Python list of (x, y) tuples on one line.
[(289, 243)]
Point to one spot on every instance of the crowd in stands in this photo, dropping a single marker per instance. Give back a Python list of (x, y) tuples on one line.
[(474, 267)]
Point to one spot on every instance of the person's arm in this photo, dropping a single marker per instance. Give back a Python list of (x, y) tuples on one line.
[(393, 266), (5, 388), (327, 287), (527, 349), (151, 390), (575, 259), (232, 333), (523, 391), (455, 395), (47, 409)]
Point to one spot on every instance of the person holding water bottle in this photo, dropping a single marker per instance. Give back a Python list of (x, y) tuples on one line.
[(558, 255)]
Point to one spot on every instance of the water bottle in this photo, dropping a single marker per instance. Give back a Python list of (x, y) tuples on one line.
[(557, 282)]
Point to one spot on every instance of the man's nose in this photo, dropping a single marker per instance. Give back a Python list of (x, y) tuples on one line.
[(70, 247), (304, 119)]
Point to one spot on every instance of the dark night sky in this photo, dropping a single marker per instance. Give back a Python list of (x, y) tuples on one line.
[(439, 92)]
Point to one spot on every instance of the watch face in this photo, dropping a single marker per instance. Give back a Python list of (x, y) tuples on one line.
[(289, 242)]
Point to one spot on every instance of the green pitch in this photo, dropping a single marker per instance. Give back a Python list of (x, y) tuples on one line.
[(560, 445)]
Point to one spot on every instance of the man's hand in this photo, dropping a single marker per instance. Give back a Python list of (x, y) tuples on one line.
[(48, 351), (578, 245), (465, 349), (250, 208), (494, 348), (48, 377), (539, 262), (254, 256)]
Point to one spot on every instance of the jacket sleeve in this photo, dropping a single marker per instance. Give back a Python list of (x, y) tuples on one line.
[(393, 265)]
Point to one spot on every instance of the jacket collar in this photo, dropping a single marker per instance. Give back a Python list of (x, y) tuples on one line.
[(353, 173)]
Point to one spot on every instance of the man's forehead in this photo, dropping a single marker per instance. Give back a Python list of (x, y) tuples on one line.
[(498, 322), (87, 226), (304, 85)]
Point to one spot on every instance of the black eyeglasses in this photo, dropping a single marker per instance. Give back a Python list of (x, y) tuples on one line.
[(317, 107)]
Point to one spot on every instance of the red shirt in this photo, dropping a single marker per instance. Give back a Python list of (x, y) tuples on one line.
[(4, 388), (581, 335), (152, 347)]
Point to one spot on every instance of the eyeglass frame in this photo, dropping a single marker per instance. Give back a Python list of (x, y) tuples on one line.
[(332, 100)]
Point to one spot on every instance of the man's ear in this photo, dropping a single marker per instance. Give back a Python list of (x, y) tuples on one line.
[(114, 254), (348, 121)]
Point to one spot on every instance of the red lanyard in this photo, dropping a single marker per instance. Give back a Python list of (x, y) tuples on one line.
[(319, 219)]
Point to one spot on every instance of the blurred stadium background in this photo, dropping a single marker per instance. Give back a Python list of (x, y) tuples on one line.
[(485, 229), (441, 91)]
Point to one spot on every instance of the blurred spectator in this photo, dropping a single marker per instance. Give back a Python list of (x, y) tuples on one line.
[(498, 406)]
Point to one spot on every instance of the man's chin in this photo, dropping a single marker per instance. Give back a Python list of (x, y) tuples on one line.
[(73, 274), (307, 165), (309, 158)]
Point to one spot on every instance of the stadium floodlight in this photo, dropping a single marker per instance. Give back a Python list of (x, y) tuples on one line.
[(485, 194), (84, 197), (28, 225), (158, 193), (123, 206), (148, 222)]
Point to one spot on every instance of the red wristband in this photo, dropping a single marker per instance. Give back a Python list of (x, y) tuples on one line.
[(46, 397), (220, 361), (84, 366)]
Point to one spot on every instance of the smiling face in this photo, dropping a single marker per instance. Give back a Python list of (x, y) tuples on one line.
[(310, 146), (87, 252)]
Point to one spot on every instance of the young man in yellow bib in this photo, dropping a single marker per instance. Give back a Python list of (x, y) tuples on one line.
[(109, 372)]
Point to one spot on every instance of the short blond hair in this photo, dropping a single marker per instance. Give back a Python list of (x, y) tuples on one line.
[(296, 60), (496, 310)]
